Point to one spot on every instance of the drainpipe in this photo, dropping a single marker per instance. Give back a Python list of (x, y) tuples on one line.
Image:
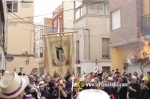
[(149, 6), (88, 30), (84, 43)]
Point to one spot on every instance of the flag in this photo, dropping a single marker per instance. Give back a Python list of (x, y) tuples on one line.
[(59, 53)]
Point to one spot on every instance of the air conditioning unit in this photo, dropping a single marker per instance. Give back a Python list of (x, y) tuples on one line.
[(24, 52)]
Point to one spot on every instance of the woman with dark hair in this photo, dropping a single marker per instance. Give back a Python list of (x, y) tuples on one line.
[(122, 88), (129, 77)]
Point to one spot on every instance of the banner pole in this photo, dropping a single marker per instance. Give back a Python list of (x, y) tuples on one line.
[(72, 86)]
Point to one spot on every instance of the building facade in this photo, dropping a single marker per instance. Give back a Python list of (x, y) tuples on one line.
[(44, 27), (127, 24), (20, 35), (3, 33), (63, 16), (92, 40)]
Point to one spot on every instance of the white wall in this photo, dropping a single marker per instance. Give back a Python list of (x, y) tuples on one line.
[(79, 36), (68, 15), (99, 28), (136, 68), (88, 66)]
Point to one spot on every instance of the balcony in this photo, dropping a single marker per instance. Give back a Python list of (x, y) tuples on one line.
[(97, 9), (88, 1), (145, 25)]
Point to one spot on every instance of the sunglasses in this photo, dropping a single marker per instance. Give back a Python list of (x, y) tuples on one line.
[(60, 85)]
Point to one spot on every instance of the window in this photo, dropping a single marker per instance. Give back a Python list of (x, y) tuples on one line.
[(41, 52), (55, 23), (36, 35), (92, 9), (100, 9), (77, 4), (77, 49), (41, 70), (96, 9), (107, 9), (116, 19), (78, 70), (105, 48), (37, 54), (77, 13), (82, 11), (106, 69), (12, 6), (41, 33)]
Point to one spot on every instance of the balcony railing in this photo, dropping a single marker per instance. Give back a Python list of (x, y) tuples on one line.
[(146, 24)]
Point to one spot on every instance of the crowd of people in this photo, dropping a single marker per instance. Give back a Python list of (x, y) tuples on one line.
[(117, 85)]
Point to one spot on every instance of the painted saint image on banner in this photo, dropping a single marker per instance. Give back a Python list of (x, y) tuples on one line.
[(60, 53)]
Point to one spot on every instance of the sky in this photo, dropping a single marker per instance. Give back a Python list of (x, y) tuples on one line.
[(44, 7)]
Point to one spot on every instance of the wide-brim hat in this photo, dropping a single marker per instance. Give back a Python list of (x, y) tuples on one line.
[(6, 72), (110, 79), (88, 94), (12, 85)]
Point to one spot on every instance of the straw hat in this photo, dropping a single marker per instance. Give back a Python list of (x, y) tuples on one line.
[(12, 85), (88, 94), (6, 72), (110, 79)]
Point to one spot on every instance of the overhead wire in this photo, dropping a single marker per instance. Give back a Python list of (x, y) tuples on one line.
[(58, 12), (20, 26)]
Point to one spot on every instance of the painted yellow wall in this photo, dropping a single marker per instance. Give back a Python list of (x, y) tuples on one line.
[(118, 57), (146, 7), (21, 37)]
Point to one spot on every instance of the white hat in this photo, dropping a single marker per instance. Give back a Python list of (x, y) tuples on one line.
[(21, 66), (92, 80), (12, 85), (88, 94), (110, 79), (41, 83), (75, 84), (134, 77), (6, 72)]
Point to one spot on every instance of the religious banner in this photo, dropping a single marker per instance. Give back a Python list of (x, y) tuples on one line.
[(59, 53)]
